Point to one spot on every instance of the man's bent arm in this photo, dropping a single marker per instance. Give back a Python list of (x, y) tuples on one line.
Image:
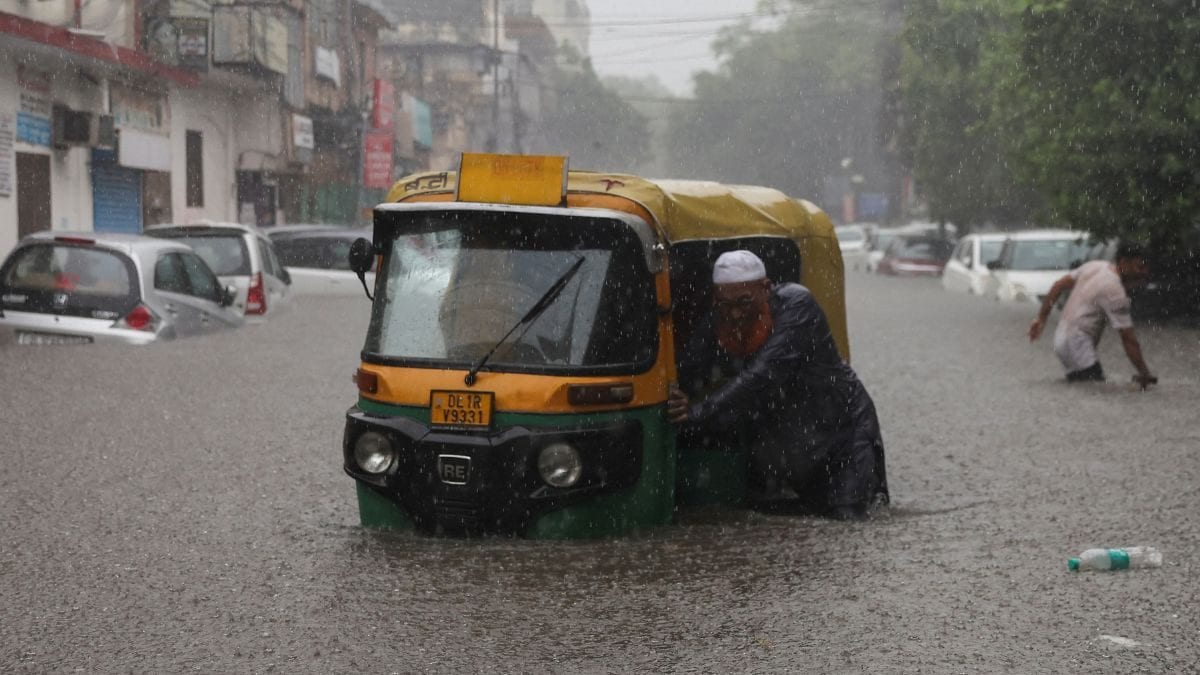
[(1133, 349), (1064, 284)]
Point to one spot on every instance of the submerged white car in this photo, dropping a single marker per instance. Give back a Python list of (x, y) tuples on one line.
[(852, 240), (317, 258), (1032, 261), (967, 270)]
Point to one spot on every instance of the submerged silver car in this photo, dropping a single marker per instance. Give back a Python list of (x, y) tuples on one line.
[(77, 288), (242, 257)]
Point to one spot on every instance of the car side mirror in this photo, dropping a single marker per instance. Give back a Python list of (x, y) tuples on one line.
[(362, 257), (995, 265), (228, 295)]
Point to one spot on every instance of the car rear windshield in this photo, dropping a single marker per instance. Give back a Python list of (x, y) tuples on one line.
[(78, 280), (226, 253)]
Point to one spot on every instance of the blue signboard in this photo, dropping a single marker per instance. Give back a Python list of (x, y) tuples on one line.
[(33, 129), (422, 123), (872, 205)]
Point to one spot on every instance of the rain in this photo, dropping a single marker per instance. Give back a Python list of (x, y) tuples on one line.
[(347, 335)]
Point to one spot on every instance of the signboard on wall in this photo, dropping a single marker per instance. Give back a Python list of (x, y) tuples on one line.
[(192, 43), (33, 115), (383, 104), (136, 108), (7, 136), (328, 65), (143, 150), (302, 132), (422, 121), (377, 159)]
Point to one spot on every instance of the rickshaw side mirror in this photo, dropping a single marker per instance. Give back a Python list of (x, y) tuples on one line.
[(362, 257)]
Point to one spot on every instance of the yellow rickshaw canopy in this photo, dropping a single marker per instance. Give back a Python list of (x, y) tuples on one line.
[(687, 210)]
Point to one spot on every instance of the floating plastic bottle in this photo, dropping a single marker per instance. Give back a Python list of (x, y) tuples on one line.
[(1133, 557)]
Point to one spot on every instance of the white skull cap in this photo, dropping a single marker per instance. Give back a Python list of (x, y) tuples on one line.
[(737, 266)]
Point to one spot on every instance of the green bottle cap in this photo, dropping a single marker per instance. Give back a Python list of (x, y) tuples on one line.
[(1073, 564)]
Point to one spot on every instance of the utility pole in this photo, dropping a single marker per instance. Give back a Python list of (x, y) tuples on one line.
[(495, 76)]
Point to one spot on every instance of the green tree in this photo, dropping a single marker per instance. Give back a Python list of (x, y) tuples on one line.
[(949, 73), (1102, 105), (593, 125), (788, 104)]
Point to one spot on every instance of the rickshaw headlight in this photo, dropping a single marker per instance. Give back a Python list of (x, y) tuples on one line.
[(560, 465), (373, 452)]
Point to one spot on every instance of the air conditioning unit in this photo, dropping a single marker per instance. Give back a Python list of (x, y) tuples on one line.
[(71, 127)]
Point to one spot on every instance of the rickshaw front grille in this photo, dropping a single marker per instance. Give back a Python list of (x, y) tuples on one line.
[(457, 508)]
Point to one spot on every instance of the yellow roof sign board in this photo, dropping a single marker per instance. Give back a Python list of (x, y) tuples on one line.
[(527, 180)]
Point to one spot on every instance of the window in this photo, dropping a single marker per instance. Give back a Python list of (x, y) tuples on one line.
[(169, 275), (201, 279), (195, 168)]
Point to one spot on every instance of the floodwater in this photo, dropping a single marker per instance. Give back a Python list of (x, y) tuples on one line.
[(182, 508)]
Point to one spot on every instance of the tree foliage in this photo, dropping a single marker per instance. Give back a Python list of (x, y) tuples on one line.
[(593, 125), (956, 155), (1102, 106), (1085, 110), (787, 105)]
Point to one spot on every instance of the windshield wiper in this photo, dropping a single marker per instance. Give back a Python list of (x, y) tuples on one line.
[(534, 312)]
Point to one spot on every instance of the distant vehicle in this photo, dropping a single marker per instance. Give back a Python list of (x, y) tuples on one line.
[(852, 239), (80, 288), (878, 240), (243, 257), (967, 271), (1174, 288), (915, 255), (947, 231), (1031, 261), (317, 257)]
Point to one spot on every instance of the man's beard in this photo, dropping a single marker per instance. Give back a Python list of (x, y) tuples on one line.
[(745, 342)]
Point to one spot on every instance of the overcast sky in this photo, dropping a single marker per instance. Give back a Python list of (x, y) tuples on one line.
[(667, 38)]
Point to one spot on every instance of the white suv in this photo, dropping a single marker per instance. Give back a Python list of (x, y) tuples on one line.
[(241, 256)]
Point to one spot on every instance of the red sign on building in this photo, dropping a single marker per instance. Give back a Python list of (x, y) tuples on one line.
[(377, 159), (383, 104)]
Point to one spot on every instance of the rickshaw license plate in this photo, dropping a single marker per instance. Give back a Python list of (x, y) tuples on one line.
[(461, 408)]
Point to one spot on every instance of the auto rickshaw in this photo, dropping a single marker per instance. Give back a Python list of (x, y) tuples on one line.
[(522, 343)]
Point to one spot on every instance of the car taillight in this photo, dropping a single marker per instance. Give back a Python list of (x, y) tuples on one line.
[(256, 298), (139, 318)]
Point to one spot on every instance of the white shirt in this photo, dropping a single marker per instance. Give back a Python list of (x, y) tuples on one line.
[(1098, 293)]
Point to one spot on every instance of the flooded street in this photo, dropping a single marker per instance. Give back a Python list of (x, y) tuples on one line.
[(183, 507)]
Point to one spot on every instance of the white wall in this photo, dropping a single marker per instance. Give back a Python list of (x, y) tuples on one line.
[(70, 182), (211, 112), (8, 104)]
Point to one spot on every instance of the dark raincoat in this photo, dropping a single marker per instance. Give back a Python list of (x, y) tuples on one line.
[(799, 409)]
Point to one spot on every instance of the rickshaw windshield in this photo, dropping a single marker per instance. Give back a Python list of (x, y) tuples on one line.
[(456, 283)]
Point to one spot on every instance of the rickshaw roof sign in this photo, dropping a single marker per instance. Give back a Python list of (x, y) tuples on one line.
[(521, 180)]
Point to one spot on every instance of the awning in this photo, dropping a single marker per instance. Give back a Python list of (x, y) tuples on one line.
[(64, 39)]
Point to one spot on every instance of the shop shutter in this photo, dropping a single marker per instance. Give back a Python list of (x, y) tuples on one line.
[(116, 195)]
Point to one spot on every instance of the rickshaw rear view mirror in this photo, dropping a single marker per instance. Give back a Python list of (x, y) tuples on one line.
[(362, 257)]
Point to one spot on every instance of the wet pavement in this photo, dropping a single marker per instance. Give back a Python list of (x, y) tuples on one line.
[(182, 507)]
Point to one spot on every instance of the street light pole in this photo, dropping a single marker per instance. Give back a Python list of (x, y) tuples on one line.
[(495, 75)]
